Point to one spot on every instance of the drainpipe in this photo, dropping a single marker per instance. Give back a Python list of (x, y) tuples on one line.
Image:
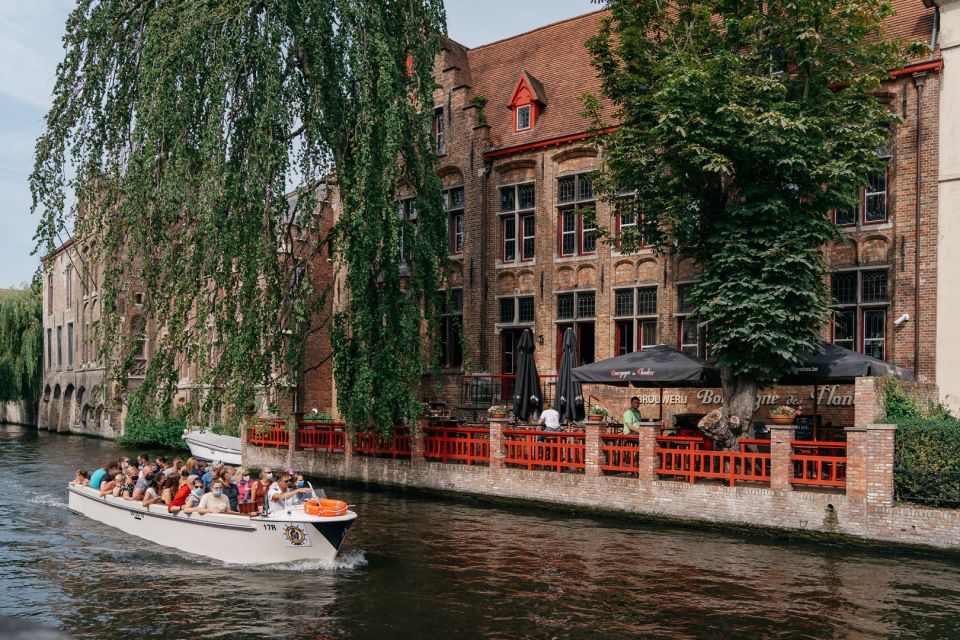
[(483, 265), (918, 79)]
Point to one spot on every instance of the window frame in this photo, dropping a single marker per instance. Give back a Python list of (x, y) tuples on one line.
[(859, 309), (455, 221), (575, 207), (634, 318), (451, 331), (515, 322), (517, 214), (439, 132), (516, 117)]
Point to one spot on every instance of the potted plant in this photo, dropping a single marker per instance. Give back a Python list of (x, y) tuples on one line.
[(498, 411), (597, 414), (783, 414)]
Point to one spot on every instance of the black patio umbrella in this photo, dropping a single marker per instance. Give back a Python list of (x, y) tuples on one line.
[(658, 366), (838, 365), (527, 395), (569, 393)]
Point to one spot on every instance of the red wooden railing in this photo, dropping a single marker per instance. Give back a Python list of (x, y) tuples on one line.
[(619, 453), (545, 449), (819, 464), (468, 445), (269, 433), (322, 436), (378, 445), (683, 458)]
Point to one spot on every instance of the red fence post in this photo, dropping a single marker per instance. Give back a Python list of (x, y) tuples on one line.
[(417, 432), (647, 452), (496, 444), (592, 452), (870, 463), (781, 467)]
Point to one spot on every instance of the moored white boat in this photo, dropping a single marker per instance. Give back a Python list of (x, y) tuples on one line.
[(286, 536), (211, 446)]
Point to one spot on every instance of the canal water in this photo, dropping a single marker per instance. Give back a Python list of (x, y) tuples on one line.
[(417, 567)]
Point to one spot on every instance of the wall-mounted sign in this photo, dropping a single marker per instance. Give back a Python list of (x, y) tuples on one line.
[(827, 396)]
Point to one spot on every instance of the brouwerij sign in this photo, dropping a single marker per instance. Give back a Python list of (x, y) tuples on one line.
[(827, 396)]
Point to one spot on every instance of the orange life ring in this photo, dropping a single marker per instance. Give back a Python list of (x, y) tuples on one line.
[(325, 508)]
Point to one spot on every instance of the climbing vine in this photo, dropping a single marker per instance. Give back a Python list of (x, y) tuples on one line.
[(180, 127)]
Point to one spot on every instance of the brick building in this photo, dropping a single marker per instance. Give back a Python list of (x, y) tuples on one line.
[(514, 156), (514, 159)]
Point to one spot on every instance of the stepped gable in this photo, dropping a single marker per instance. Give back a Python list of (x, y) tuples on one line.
[(555, 58)]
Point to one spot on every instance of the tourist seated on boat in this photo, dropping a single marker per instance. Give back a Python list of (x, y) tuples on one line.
[(175, 466), (214, 471), (189, 468), (228, 476), (282, 494), (82, 479), (152, 492), (104, 473), (160, 462), (261, 488), (142, 459), (168, 488), (242, 476), (183, 492), (299, 482), (112, 487), (214, 501), (129, 484), (143, 481), (196, 492)]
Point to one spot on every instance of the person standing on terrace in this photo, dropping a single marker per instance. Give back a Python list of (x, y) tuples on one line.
[(631, 417)]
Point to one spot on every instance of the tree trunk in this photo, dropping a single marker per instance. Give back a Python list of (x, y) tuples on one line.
[(734, 419)]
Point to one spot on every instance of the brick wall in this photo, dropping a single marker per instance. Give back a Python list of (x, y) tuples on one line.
[(866, 511)]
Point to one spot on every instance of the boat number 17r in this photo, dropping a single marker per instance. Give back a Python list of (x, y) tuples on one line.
[(269, 527)]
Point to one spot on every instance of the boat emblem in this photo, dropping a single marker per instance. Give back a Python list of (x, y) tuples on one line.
[(295, 535)]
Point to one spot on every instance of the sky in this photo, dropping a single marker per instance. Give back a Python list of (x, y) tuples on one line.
[(30, 49)]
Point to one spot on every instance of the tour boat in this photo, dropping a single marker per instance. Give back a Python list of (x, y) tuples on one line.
[(295, 534), (211, 446)]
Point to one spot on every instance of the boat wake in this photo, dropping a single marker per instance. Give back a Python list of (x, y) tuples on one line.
[(347, 561), (47, 500)]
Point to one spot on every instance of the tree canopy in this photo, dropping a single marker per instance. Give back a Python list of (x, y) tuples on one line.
[(21, 344), (742, 125), (182, 125)]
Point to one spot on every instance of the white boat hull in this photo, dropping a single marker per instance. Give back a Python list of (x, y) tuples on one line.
[(288, 536), (210, 446)]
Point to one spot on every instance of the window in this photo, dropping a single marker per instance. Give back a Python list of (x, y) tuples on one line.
[(451, 330), (635, 319), (517, 222), (59, 347), (69, 345), (872, 199), (577, 310), (517, 310), (630, 223), (454, 201), (440, 144), (68, 287), (861, 298), (523, 117), (577, 204), (691, 338), (138, 331), (50, 293), (49, 348), (408, 220)]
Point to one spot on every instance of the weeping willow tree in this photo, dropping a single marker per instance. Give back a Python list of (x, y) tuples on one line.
[(21, 345), (181, 127)]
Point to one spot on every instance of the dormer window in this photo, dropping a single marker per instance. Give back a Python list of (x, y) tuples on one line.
[(523, 117), (527, 103)]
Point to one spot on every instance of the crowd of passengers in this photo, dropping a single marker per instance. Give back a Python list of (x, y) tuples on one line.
[(192, 486)]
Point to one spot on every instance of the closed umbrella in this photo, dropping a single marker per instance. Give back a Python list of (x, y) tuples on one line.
[(569, 392), (527, 396)]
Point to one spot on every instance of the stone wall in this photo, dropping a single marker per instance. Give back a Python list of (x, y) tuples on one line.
[(17, 413), (865, 512)]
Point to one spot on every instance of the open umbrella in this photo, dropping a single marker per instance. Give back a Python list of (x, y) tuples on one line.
[(657, 366), (527, 396), (569, 392)]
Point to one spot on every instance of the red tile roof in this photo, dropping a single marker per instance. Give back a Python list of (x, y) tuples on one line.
[(556, 56)]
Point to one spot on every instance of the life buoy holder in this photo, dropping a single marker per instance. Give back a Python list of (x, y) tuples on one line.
[(325, 508)]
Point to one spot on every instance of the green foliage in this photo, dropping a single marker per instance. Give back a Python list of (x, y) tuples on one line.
[(21, 344), (480, 101), (926, 465), (186, 122), (318, 416), (743, 125), (146, 428)]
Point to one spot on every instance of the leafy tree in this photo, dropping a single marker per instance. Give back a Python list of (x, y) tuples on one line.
[(21, 344), (186, 122), (742, 124)]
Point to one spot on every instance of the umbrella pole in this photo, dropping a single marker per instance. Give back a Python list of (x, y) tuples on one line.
[(661, 409), (815, 412)]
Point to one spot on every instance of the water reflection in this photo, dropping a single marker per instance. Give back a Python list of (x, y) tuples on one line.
[(417, 568)]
